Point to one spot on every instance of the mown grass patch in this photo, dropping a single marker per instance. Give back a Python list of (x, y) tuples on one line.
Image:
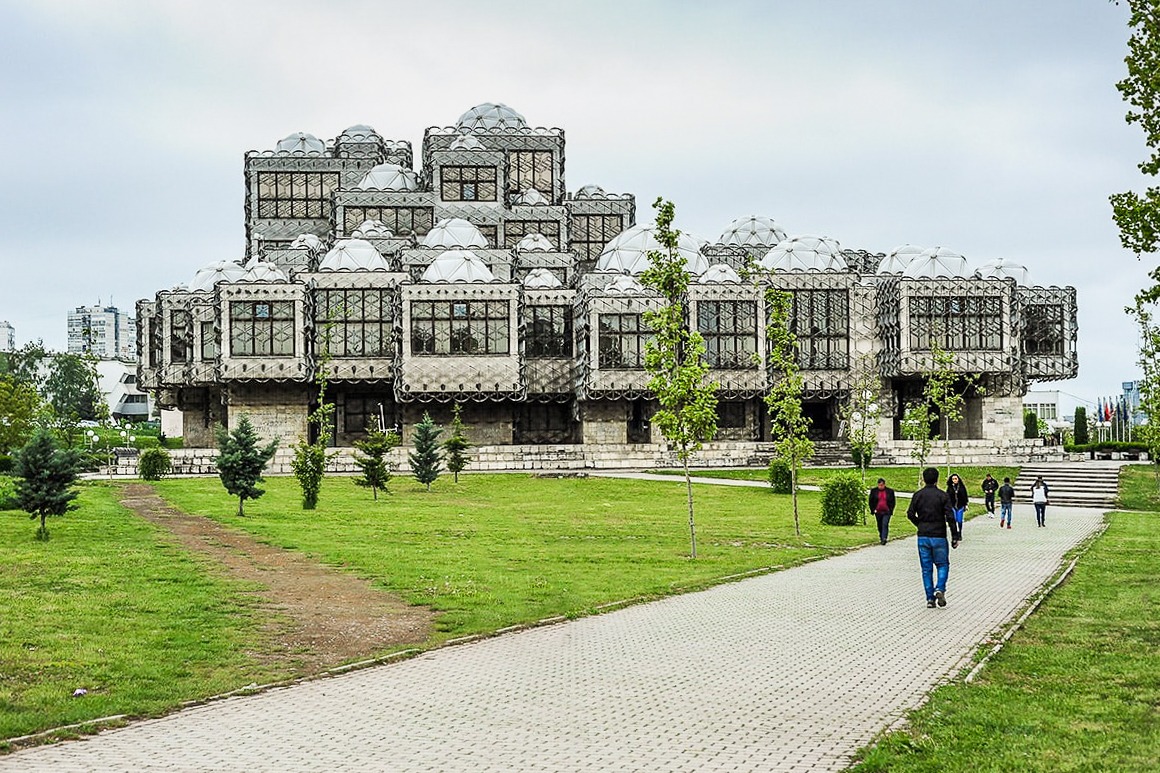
[(1140, 487), (900, 478)]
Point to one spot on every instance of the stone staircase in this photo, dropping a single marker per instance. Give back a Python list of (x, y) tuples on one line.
[(1072, 484)]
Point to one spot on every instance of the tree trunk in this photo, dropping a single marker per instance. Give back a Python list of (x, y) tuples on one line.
[(797, 529), (241, 505), (689, 492)]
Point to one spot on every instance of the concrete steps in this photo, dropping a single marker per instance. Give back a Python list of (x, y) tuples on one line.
[(1073, 484)]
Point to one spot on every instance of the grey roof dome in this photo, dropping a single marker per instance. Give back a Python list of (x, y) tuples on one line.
[(590, 192), (719, 273), (542, 278), (458, 266), (466, 142), (453, 232), (300, 142), (628, 252), (937, 263), (535, 243), (261, 271), (753, 231), (306, 242), (389, 177), (899, 258), (353, 255), (372, 229), (805, 253), (532, 197), (360, 132), (624, 285), (219, 271), (491, 115), (1004, 269)]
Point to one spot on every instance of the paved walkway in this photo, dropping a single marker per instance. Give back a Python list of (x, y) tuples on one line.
[(785, 672)]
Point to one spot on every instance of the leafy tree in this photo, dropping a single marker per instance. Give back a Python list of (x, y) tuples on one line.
[(1030, 425), (309, 462), (371, 457), (73, 388), (946, 390), (861, 413), (789, 427), (1081, 426), (45, 477), (1149, 382), (915, 426), (675, 356), (455, 446), (426, 461), (19, 407), (25, 365), (241, 461)]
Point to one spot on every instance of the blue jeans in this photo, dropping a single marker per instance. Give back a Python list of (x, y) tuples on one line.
[(959, 513), (1041, 513), (1005, 512), (933, 552)]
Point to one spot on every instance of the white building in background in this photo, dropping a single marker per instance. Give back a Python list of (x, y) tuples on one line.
[(7, 336), (104, 331), (118, 384), (1053, 406)]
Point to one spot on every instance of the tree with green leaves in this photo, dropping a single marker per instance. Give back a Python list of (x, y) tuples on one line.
[(915, 427), (371, 457), (20, 406), (455, 446), (788, 426), (241, 461), (310, 458), (1030, 425), (72, 390), (25, 365), (1080, 426), (946, 390), (426, 460), (861, 414), (45, 476), (674, 356), (1149, 382)]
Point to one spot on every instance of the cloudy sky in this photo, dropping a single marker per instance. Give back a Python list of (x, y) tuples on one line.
[(993, 128)]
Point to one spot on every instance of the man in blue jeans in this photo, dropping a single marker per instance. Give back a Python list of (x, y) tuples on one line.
[(930, 510)]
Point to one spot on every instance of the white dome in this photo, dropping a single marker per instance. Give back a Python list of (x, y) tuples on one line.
[(454, 232), (899, 258), (458, 266), (389, 177), (753, 231), (306, 242), (937, 263), (628, 252), (624, 285), (466, 142), (805, 253), (590, 192), (360, 132), (221, 271), (541, 278), (491, 116), (1002, 269), (535, 243), (261, 271), (719, 273), (372, 229), (531, 197), (300, 142), (353, 255)]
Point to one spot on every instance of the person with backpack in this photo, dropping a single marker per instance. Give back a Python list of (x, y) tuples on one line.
[(1006, 502), (1039, 499)]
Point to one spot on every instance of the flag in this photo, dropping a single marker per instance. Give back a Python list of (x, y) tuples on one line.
[(1107, 410)]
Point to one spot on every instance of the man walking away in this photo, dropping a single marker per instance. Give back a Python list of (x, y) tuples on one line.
[(930, 511), (882, 505), (990, 486), (1039, 499), (1006, 500)]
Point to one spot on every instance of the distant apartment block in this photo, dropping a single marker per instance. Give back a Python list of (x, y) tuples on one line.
[(104, 331), (7, 336)]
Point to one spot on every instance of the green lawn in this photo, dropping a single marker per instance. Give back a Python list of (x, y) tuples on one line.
[(1076, 689), (1140, 487), (900, 478), (109, 606)]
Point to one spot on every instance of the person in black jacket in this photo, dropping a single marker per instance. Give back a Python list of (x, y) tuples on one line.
[(990, 486), (1006, 500), (957, 493), (882, 505), (930, 510)]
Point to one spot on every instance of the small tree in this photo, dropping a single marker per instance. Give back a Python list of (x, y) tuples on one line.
[(241, 461), (1081, 426), (371, 457), (309, 462), (19, 407), (455, 446), (789, 427), (1030, 425), (915, 426), (843, 500), (45, 476), (426, 461), (861, 413), (154, 464), (946, 390), (675, 356), (1149, 382)]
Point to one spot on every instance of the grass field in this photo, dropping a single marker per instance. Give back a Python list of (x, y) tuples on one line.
[(1139, 487), (900, 478)]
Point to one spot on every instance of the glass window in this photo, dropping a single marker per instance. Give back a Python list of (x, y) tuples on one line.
[(358, 322), (514, 230), (956, 323), (621, 341), (531, 169), (297, 195), (460, 327), (261, 328), (400, 221), (730, 332), (1043, 333), (821, 323), (549, 331), (180, 331), (357, 412), (467, 183), (209, 342), (590, 234), (731, 415)]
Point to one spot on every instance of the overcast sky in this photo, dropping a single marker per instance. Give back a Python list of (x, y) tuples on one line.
[(992, 128)]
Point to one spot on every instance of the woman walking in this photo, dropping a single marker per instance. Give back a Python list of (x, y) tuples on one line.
[(957, 494), (1039, 499)]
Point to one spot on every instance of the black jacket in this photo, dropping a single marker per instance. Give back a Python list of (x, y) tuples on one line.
[(1006, 493), (990, 485), (873, 500), (958, 494), (930, 510)]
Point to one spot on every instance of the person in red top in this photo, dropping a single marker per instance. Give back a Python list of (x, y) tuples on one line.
[(882, 505)]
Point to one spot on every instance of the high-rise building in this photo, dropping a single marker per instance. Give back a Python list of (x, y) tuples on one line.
[(104, 331), (7, 336)]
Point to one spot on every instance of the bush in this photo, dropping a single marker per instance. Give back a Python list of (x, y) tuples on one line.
[(780, 478), (5, 464), (843, 500), (8, 494), (154, 464), (1030, 425), (861, 457)]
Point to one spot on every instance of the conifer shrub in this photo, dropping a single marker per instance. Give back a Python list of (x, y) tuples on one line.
[(154, 464)]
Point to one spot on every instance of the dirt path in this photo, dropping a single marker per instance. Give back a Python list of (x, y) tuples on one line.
[(322, 617)]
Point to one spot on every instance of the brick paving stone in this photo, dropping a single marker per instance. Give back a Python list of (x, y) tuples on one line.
[(789, 671)]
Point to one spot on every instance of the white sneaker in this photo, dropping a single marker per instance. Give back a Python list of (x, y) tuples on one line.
[(991, 516)]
